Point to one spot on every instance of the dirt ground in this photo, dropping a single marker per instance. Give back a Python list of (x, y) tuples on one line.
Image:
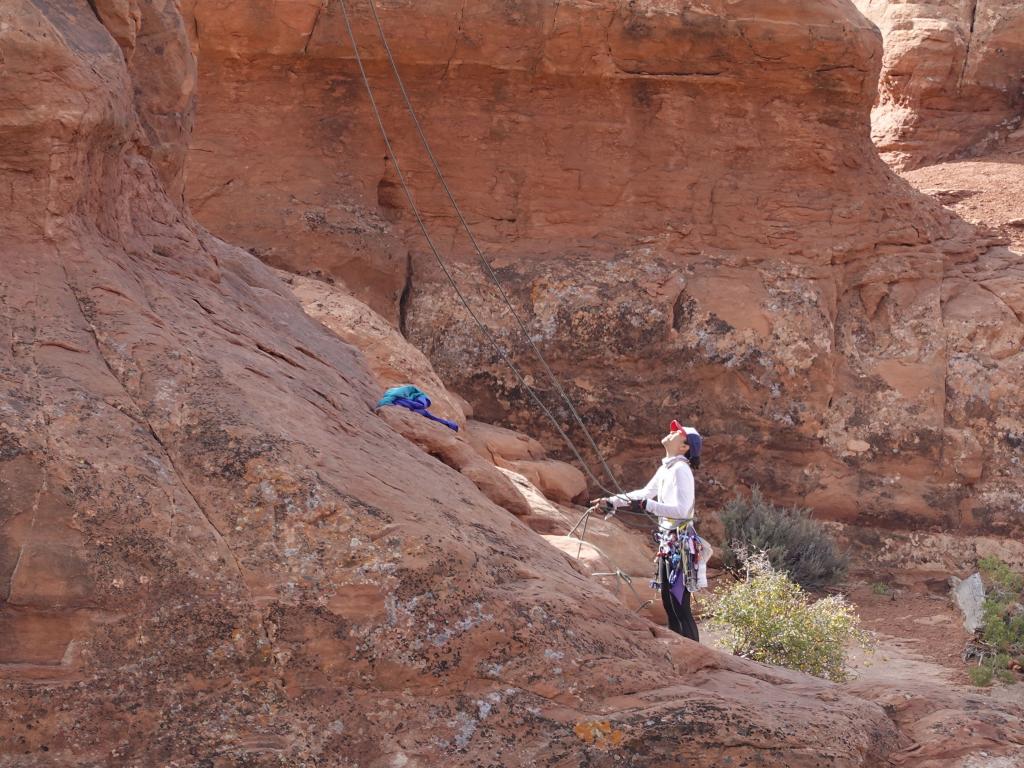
[(987, 190), (918, 629)]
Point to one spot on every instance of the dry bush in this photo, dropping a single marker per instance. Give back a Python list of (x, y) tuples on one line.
[(794, 542)]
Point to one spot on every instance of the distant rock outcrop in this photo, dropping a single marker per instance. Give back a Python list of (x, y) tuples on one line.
[(952, 78), (969, 596)]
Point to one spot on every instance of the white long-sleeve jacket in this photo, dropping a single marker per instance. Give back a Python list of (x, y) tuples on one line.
[(672, 486)]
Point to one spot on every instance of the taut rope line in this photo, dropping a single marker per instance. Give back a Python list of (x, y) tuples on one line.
[(440, 261), (479, 252)]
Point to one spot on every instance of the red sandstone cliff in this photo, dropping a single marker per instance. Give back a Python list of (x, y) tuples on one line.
[(684, 202), (952, 78), (213, 553)]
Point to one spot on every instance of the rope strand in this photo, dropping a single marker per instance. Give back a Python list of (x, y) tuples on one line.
[(451, 280), (480, 254)]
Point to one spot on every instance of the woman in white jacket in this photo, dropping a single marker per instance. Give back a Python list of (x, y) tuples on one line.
[(670, 496)]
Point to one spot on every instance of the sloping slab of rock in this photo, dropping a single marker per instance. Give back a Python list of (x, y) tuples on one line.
[(947, 726)]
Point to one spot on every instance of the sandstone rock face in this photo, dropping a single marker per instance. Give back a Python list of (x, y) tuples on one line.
[(951, 79), (684, 205), (213, 552), (983, 303), (476, 450), (155, 46), (392, 360), (319, 211)]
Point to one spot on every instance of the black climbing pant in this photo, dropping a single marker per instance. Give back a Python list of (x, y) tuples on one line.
[(680, 617)]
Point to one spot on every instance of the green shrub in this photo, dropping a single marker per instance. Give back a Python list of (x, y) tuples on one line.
[(1001, 665), (794, 542), (1002, 630), (769, 618), (1000, 577), (880, 588), (1003, 626), (997, 666), (981, 676)]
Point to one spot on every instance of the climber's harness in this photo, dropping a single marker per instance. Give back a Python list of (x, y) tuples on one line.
[(679, 552)]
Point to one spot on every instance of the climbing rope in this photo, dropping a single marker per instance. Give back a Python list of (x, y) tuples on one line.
[(618, 573), (624, 577), (448, 275), (465, 302), (479, 252)]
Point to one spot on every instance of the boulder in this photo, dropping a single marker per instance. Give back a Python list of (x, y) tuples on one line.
[(969, 596), (498, 444), (557, 480)]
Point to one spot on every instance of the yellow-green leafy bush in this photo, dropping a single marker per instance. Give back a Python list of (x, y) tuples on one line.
[(769, 618)]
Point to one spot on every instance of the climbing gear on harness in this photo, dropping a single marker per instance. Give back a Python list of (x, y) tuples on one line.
[(684, 555)]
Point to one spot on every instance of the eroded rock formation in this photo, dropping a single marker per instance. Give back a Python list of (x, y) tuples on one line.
[(952, 80), (685, 206), (213, 552)]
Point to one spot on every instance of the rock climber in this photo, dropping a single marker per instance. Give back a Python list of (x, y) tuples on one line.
[(682, 555)]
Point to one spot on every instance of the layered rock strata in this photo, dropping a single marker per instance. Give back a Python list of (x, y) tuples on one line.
[(213, 552), (684, 206)]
